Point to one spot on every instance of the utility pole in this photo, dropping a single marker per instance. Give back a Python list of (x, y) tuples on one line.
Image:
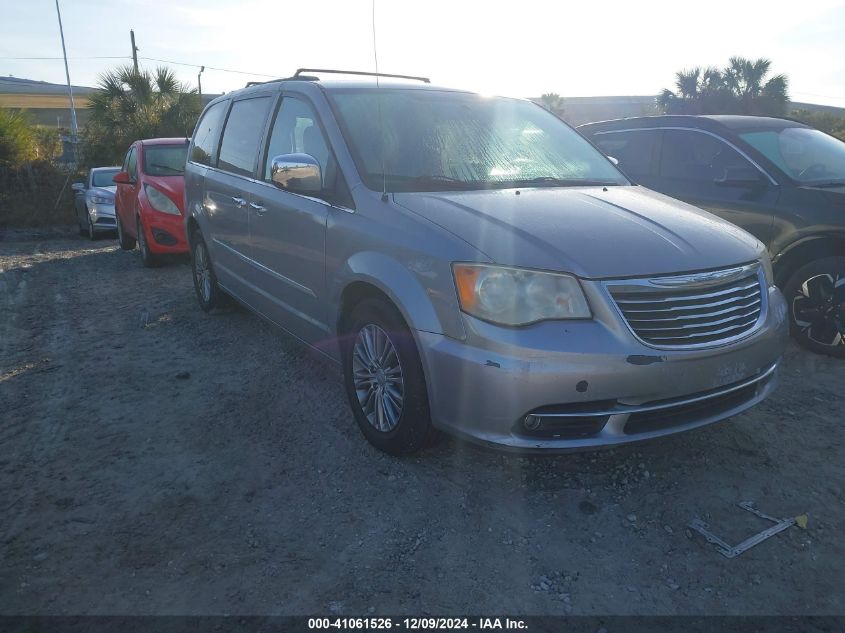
[(74, 130), (135, 49), (199, 83)]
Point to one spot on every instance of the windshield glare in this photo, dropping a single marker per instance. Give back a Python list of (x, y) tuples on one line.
[(805, 154), (433, 140), (103, 178), (165, 160)]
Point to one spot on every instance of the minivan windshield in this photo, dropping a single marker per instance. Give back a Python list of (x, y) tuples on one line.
[(165, 160), (806, 155), (432, 140)]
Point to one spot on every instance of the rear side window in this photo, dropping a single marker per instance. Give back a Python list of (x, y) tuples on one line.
[(633, 149), (207, 134), (242, 136), (695, 156)]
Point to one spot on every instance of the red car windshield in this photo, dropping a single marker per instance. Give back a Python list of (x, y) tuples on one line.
[(165, 160)]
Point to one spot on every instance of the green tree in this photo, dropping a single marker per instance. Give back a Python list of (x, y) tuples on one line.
[(17, 141), (47, 141), (133, 105), (552, 102), (740, 88)]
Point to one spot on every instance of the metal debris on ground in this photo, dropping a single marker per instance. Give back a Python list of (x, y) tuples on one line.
[(731, 551)]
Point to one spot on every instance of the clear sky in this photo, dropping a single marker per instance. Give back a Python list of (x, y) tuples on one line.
[(523, 47)]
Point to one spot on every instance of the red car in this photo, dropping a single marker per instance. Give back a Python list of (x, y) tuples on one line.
[(149, 203)]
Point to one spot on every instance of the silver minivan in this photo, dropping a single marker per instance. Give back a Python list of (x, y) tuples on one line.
[(475, 265)]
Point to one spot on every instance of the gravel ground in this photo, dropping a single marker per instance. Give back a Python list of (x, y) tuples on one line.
[(158, 460)]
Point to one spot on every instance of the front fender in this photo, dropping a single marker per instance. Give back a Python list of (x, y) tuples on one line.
[(426, 307)]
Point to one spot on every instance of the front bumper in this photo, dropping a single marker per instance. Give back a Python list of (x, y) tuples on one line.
[(591, 382), (102, 217), (165, 232)]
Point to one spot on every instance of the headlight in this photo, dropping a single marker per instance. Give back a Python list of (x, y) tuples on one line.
[(766, 263), (160, 202), (101, 200), (515, 296)]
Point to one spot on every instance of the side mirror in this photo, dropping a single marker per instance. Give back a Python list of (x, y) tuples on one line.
[(740, 177), (122, 178), (298, 173), (613, 160), (78, 186)]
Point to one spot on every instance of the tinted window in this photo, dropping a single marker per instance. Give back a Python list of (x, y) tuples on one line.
[(634, 150), (807, 155), (296, 131), (431, 140), (165, 160), (697, 156), (207, 134), (103, 178), (239, 148)]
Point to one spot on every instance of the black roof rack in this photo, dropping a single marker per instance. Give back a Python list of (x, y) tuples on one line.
[(301, 76), (301, 71)]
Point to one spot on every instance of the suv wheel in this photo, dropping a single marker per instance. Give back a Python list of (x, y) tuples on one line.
[(208, 292), (384, 379), (815, 296), (126, 243), (147, 257)]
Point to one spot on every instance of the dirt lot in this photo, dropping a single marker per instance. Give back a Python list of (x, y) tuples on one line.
[(157, 460)]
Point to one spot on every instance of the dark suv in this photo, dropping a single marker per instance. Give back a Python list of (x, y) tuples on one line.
[(778, 179)]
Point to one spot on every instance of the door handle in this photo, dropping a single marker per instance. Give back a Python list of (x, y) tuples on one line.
[(259, 210), (239, 202)]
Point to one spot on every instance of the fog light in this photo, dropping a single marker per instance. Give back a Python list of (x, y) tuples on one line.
[(531, 422)]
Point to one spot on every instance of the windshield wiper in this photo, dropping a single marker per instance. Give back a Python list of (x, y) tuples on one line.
[(438, 182), (826, 184), (168, 167), (562, 182)]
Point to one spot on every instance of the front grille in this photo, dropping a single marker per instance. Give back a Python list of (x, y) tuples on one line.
[(690, 314)]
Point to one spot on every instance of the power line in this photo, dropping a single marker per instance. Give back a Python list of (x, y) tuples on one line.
[(149, 59)]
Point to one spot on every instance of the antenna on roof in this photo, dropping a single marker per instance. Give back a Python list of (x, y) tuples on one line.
[(378, 102)]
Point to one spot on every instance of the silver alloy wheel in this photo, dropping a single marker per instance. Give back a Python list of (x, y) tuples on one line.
[(377, 375), (818, 309), (202, 271)]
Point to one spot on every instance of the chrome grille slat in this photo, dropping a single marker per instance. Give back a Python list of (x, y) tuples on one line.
[(681, 317), (671, 297), (695, 306), (690, 313)]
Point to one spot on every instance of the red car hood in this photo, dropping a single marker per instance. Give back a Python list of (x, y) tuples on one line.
[(173, 186)]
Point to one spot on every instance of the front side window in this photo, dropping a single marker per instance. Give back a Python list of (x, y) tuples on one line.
[(165, 160), (634, 149), (696, 156), (430, 140), (132, 164), (244, 127), (296, 131), (807, 155), (207, 134)]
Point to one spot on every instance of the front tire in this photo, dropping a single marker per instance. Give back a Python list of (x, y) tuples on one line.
[(147, 257), (126, 243), (384, 379), (208, 291), (815, 296), (92, 234)]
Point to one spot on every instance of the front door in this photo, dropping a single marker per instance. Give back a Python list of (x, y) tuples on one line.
[(126, 194), (288, 231), (703, 170)]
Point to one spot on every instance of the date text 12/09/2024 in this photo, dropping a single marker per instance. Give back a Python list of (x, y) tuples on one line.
[(416, 624)]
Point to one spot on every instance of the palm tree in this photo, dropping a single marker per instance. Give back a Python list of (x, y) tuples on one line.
[(552, 102), (741, 88), (137, 104)]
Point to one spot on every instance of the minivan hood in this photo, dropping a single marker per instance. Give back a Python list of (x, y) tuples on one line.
[(621, 231)]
